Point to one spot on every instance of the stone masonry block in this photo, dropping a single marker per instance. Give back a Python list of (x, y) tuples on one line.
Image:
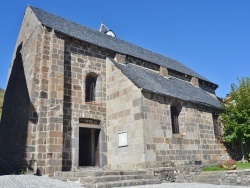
[(138, 116)]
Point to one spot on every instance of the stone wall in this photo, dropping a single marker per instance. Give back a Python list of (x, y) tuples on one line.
[(47, 83), (19, 118), (236, 177), (152, 128), (64, 64), (40, 133), (124, 114), (50, 74), (231, 177), (195, 142), (193, 173), (81, 59), (180, 174)]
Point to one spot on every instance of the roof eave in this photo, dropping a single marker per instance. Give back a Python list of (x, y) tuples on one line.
[(196, 102)]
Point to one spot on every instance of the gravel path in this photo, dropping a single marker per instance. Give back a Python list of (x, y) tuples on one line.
[(31, 181)]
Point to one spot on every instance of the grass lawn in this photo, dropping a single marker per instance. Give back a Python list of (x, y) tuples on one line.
[(212, 168), (217, 168), (242, 165)]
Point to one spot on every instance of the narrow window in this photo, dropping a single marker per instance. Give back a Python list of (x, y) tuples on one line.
[(216, 125), (174, 118), (90, 89)]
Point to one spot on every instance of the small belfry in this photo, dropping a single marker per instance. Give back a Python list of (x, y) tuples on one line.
[(103, 28)]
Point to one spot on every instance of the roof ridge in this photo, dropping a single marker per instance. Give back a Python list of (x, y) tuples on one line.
[(32, 7), (114, 44)]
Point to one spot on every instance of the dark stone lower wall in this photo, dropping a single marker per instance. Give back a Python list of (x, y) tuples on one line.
[(180, 174), (235, 177), (16, 117), (192, 173)]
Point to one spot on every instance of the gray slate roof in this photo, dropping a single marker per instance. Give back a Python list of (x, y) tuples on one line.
[(173, 87), (100, 39)]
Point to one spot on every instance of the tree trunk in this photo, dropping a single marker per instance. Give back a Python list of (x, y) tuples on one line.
[(242, 151)]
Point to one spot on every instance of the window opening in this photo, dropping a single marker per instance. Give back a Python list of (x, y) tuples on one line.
[(90, 88), (174, 118), (216, 125)]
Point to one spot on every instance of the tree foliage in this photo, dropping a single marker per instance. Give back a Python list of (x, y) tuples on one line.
[(236, 115)]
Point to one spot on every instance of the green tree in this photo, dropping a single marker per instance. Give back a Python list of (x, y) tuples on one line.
[(236, 115)]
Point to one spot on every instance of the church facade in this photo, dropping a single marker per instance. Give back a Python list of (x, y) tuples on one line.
[(80, 97)]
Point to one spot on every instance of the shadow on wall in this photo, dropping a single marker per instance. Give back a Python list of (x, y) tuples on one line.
[(18, 112), (67, 112), (235, 150)]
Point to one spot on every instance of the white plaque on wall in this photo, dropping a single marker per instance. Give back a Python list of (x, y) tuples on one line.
[(122, 139)]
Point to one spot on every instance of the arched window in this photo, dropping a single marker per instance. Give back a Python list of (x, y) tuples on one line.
[(90, 89)]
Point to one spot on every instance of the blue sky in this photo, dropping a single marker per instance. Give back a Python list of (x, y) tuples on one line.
[(211, 37)]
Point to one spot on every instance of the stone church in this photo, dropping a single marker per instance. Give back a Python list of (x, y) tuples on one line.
[(78, 97)]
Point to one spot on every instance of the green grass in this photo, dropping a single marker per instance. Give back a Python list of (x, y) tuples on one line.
[(242, 165), (212, 168), (217, 168)]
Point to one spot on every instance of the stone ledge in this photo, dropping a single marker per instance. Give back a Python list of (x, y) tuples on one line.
[(230, 177)]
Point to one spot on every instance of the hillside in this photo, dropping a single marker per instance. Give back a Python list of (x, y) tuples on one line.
[(1, 101)]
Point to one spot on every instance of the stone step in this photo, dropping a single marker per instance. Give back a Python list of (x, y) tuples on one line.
[(73, 174), (97, 179), (111, 172), (209, 177), (111, 178), (108, 178), (97, 173), (210, 173), (122, 183), (89, 168), (215, 181)]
